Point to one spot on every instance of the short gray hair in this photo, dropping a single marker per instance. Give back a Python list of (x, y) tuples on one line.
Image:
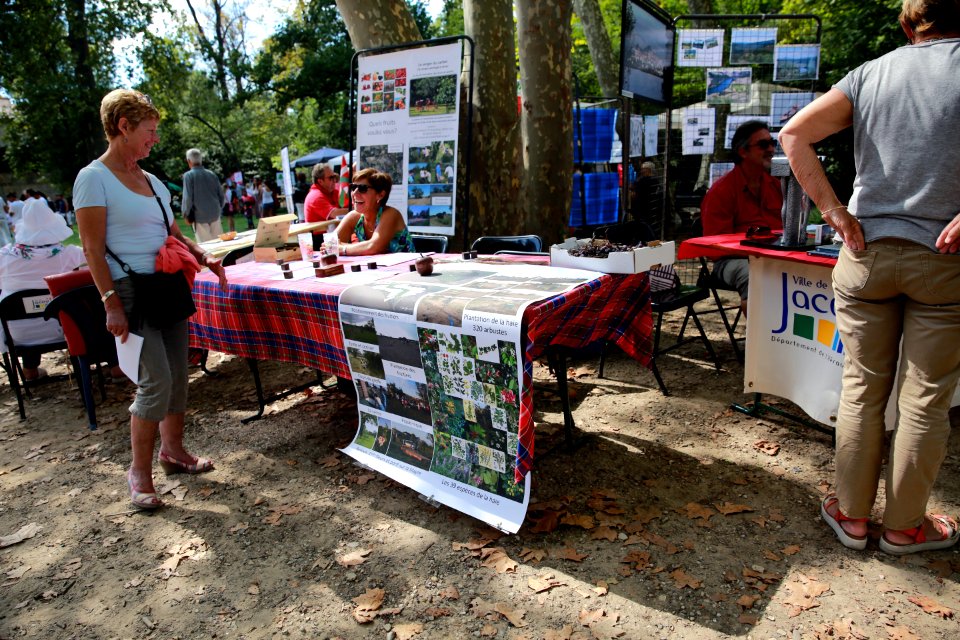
[(194, 156)]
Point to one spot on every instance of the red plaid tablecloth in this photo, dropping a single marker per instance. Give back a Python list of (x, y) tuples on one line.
[(265, 317)]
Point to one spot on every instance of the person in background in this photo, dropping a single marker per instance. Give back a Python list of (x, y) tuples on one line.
[(748, 196), (15, 207), (258, 195), (37, 251), (267, 198), (300, 190), (372, 227), (202, 198), (897, 279), (123, 208), (226, 211)]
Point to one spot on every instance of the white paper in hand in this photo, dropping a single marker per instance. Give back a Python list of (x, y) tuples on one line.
[(128, 355)]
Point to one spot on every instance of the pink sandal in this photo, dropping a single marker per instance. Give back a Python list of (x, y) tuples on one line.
[(142, 499), (847, 539), (171, 465), (946, 525)]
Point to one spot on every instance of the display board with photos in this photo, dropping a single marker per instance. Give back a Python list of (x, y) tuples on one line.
[(730, 70), (408, 123)]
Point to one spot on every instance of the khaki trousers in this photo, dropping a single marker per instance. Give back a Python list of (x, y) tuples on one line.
[(895, 290)]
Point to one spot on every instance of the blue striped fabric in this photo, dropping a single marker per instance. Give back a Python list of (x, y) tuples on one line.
[(603, 200), (596, 127)]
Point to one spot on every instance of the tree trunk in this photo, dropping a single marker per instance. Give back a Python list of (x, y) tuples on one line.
[(495, 159), (601, 49), (546, 121), (377, 23), (84, 130)]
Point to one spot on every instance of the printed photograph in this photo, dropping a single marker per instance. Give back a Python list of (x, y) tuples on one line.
[(398, 296), (435, 158), (433, 96), (796, 62), (399, 342), (371, 395), (359, 327), (752, 46), (718, 170), (729, 85), (735, 121), (378, 157), (365, 362), (441, 216), (418, 215), (369, 429), (409, 445), (445, 308), (699, 47), (784, 106), (408, 399)]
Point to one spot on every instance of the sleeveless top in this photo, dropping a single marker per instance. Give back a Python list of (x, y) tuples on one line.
[(400, 242)]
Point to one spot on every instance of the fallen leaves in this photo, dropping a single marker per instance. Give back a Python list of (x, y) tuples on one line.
[(569, 553), (367, 605), (685, 580), (931, 606), (695, 510), (539, 584), (276, 513), (354, 558), (728, 508), (496, 558), (803, 593), (25, 532), (767, 447), (584, 522)]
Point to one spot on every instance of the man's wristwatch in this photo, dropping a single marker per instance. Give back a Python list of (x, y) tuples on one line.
[(106, 295)]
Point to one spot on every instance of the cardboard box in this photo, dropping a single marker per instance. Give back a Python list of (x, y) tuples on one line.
[(271, 243), (636, 261)]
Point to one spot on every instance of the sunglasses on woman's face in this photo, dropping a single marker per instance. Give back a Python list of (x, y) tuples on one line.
[(362, 188)]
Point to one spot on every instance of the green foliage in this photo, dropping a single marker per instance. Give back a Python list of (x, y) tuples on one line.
[(56, 63), (450, 20)]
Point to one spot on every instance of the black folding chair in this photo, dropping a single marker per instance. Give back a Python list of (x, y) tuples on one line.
[(24, 305), (489, 245), (668, 293), (429, 243), (231, 257)]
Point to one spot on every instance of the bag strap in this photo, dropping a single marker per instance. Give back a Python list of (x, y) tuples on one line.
[(166, 221)]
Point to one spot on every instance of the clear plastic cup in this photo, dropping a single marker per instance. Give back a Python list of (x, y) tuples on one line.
[(331, 243)]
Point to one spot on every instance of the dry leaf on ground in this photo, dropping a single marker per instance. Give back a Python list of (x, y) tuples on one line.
[(929, 605), (767, 447), (569, 553), (25, 532), (585, 522), (728, 508), (407, 630), (354, 558), (684, 579), (496, 558), (544, 583), (367, 605), (513, 616), (532, 555), (695, 510), (604, 533)]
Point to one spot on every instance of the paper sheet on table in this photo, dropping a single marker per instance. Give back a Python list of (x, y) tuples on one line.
[(128, 354), (361, 277), (390, 259)]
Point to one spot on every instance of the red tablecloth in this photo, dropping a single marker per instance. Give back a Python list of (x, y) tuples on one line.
[(265, 317), (723, 246)]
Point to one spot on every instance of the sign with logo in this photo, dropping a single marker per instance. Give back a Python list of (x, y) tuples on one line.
[(795, 351)]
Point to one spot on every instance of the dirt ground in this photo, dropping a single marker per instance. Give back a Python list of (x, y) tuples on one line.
[(674, 518)]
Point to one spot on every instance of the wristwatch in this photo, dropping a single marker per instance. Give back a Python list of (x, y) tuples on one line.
[(106, 295)]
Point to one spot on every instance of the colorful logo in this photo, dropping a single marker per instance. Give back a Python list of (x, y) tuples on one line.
[(811, 317)]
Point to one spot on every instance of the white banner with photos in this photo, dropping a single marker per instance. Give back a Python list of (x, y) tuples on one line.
[(407, 126)]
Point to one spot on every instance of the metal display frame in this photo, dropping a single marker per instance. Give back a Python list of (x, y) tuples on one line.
[(468, 153)]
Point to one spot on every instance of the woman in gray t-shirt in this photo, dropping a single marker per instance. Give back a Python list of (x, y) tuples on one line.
[(897, 281)]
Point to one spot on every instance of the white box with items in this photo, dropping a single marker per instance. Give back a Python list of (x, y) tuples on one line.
[(635, 260)]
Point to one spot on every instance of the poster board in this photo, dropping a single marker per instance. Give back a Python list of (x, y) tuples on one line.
[(408, 119), (437, 362)]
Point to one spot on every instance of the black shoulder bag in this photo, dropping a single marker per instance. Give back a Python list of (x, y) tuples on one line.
[(159, 299)]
